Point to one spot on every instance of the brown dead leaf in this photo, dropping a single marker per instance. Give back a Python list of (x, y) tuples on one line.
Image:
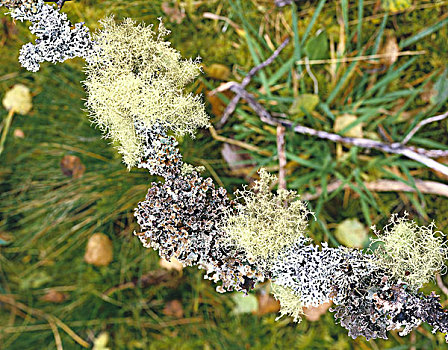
[(173, 308), (19, 133), (9, 29), (99, 250), (53, 296), (267, 304), (218, 106), (313, 313), (218, 71), (235, 156), (173, 12), (428, 93), (390, 49), (71, 166), (174, 264)]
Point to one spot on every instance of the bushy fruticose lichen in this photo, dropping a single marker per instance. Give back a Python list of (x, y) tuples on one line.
[(290, 303), (263, 223), (134, 75), (411, 252)]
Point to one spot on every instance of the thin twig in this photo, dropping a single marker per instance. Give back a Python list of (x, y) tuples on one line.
[(232, 105), (423, 122), (360, 58), (427, 187), (396, 148), (210, 15), (281, 157), (238, 143), (313, 77)]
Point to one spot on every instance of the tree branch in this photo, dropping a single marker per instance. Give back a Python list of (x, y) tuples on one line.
[(396, 147), (427, 187), (232, 105)]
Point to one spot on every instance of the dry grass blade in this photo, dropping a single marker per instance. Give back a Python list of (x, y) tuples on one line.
[(49, 318)]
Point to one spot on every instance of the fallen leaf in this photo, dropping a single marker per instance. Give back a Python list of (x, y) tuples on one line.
[(71, 166), (9, 28), (429, 93), (174, 264), (390, 49), (173, 308), (173, 12), (344, 120), (236, 157), (5, 238), (18, 99), (352, 233), (396, 5), (35, 280), (244, 303), (19, 133), (100, 342), (53, 296), (313, 313), (218, 105), (317, 47), (99, 250), (305, 103), (441, 87), (267, 304), (217, 71)]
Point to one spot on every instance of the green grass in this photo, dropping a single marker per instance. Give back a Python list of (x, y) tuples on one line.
[(46, 218)]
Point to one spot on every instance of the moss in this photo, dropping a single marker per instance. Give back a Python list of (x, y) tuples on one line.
[(412, 253), (133, 75), (264, 223)]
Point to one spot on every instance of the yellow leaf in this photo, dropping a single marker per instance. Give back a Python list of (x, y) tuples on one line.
[(18, 99), (99, 251)]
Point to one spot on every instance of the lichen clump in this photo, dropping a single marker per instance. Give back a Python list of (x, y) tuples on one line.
[(134, 75), (290, 303), (263, 223), (411, 252)]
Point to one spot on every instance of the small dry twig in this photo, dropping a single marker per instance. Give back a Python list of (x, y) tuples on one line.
[(281, 157), (232, 105), (427, 187), (417, 154), (423, 122)]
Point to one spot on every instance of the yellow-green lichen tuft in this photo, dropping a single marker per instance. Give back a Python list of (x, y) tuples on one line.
[(290, 303), (134, 75), (411, 252), (263, 223)]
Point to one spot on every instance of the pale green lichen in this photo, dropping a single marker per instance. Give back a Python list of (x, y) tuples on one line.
[(290, 303), (188, 169), (263, 223), (134, 75), (411, 252)]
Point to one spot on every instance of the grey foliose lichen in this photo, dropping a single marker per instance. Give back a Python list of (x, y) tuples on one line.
[(57, 39)]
